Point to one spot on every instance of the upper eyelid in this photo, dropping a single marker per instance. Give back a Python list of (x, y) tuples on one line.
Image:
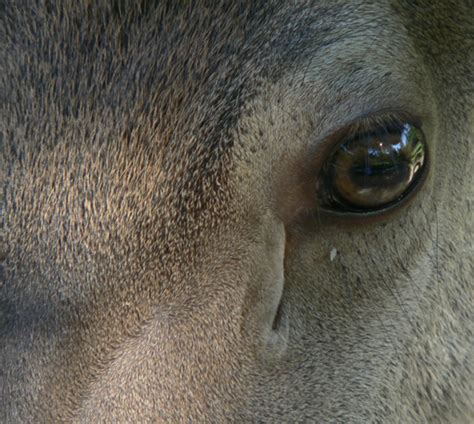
[(379, 121), (362, 124)]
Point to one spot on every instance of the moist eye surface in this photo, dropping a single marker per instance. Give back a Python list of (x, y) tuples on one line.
[(374, 170)]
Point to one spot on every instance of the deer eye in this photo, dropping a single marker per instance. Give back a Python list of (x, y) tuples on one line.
[(372, 171)]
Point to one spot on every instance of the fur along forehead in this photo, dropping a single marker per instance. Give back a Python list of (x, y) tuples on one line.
[(158, 86), (127, 121), (117, 127)]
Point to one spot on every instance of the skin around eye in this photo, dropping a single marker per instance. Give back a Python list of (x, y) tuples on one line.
[(372, 171)]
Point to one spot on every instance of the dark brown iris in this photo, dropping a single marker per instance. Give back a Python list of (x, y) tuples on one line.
[(371, 171)]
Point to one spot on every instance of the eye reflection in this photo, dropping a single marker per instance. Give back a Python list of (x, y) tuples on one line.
[(371, 171)]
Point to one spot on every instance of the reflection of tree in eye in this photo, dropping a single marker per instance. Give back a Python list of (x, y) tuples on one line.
[(418, 152)]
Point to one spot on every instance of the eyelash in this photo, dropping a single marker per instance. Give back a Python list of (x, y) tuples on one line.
[(376, 123)]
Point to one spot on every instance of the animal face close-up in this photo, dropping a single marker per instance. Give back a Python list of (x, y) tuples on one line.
[(249, 211)]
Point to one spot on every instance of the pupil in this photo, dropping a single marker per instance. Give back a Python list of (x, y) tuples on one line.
[(380, 175)]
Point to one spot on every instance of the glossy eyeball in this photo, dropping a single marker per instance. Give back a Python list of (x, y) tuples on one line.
[(372, 171)]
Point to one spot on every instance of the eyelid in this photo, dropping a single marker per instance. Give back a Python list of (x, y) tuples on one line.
[(379, 121), (382, 120), (364, 123)]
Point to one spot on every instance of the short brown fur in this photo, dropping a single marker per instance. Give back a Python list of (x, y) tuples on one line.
[(163, 259)]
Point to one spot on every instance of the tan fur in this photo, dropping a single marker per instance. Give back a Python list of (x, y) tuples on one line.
[(159, 165)]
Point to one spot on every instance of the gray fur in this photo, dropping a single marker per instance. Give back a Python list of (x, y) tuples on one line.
[(158, 173)]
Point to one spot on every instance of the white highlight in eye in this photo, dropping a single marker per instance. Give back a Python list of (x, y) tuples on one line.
[(333, 254)]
